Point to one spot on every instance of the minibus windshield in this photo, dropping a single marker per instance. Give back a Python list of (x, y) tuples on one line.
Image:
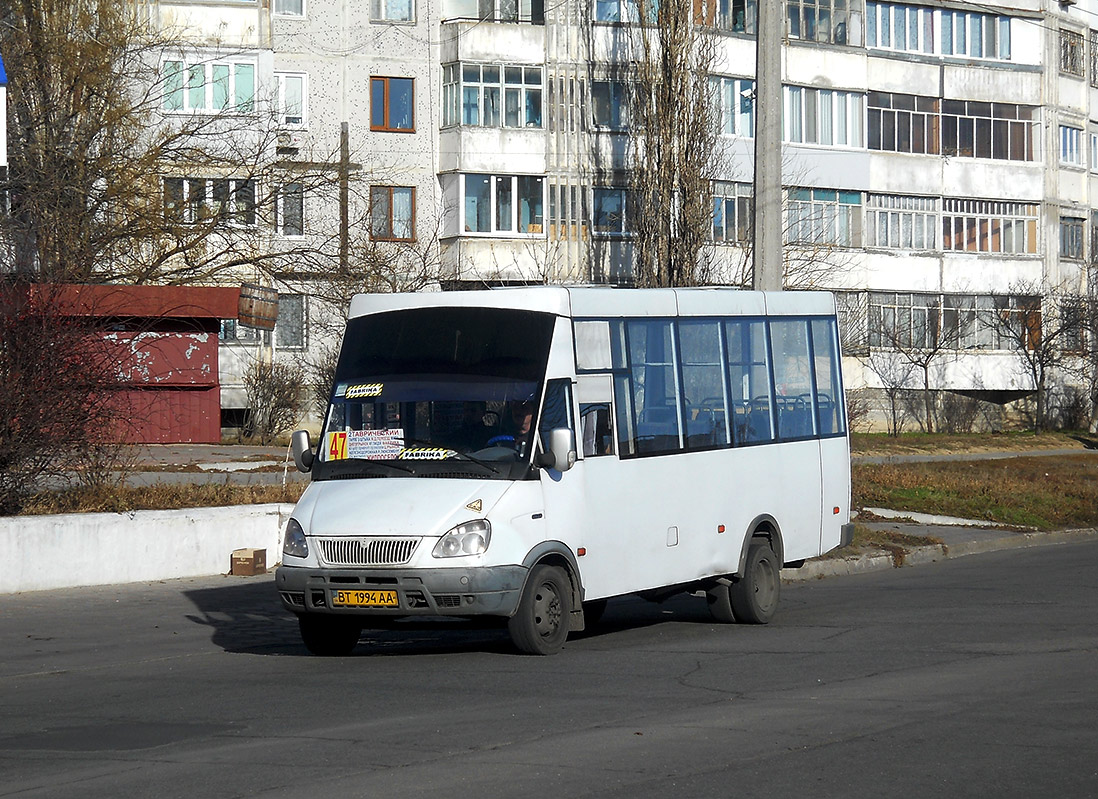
[(436, 392)]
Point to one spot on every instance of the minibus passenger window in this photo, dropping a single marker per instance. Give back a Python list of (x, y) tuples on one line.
[(703, 385), (828, 396), (792, 379), (749, 381)]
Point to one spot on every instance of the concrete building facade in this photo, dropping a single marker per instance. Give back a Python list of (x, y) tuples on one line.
[(939, 160)]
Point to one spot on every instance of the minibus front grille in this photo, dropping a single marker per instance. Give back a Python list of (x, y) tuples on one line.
[(367, 551)]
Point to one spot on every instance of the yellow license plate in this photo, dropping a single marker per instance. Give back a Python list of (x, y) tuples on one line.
[(365, 599)]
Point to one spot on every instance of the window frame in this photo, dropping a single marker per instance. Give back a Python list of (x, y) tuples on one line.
[(376, 190), (287, 192), (289, 14), (300, 340), (387, 82), (509, 187), (378, 9), (234, 102), (282, 119)]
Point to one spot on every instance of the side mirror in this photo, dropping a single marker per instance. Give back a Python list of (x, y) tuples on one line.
[(303, 451), (561, 450)]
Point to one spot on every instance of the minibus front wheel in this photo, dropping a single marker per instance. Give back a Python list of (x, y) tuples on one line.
[(754, 596), (540, 624)]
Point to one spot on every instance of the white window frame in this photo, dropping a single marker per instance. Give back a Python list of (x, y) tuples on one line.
[(901, 222), (735, 103), (828, 117), (278, 8), (732, 213), (969, 33), (623, 228), (497, 184), (232, 186), (1093, 151), (211, 69), (819, 216), (617, 94), (379, 11), (283, 119), (1071, 145), (510, 89), (980, 222)]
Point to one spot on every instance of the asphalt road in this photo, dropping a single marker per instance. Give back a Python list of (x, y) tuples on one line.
[(969, 677)]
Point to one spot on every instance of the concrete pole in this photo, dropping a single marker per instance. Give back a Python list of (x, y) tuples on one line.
[(767, 273)]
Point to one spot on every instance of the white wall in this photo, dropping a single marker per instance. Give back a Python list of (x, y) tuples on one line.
[(80, 549)]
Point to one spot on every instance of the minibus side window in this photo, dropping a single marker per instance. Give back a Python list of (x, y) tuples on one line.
[(793, 398), (557, 409), (829, 397), (749, 381), (655, 386), (703, 385), (597, 428)]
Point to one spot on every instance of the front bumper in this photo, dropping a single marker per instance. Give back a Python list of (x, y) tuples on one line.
[(484, 591)]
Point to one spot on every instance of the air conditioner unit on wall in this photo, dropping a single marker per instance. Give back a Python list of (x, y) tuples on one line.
[(289, 139)]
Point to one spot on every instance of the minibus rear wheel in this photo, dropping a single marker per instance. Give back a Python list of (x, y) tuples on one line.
[(540, 625), (326, 636), (754, 597)]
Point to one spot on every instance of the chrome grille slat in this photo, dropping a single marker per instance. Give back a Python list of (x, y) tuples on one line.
[(367, 551)]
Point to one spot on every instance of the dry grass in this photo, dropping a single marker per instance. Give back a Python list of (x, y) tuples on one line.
[(895, 543), (160, 497), (942, 443), (1044, 492)]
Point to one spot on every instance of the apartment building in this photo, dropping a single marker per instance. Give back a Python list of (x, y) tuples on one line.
[(938, 160)]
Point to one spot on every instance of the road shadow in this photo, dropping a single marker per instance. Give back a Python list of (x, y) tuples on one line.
[(248, 618), (1089, 443)]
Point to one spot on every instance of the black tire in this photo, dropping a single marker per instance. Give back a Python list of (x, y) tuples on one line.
[(754, 596), (592, 612), (720, 604), (540, 625), (328, 637)]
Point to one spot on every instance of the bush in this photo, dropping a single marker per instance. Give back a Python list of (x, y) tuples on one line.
[(276, 397)]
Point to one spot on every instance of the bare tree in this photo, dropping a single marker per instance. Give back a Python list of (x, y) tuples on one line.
[(674, 144), (110, 180), (63, 413), (1040, 325)]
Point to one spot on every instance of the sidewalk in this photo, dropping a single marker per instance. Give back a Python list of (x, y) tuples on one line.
[(957, 541)]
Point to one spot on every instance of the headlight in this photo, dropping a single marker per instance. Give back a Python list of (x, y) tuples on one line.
[(295, 544), (470, 538)]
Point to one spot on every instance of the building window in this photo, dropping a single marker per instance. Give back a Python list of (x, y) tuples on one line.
[(392, 104), (732, 212), (392, 213), (289, 8), (890, 26), (496, 10), (1071, 149), (289, 100), (903, 123), (1002, 131), (823, 20), (1071, 238), (1071, 53), (492, 95), (232, 332), (392, 10), (975, 35), (824, 216), (611, 211), (1093, 152), (290, 210), (512, 204), (739, 16), (196, 200), (823, 116), (735, 98), (208, 86), (1094, 58), (901, 222), (610, 104), (289, 330), (899, 321), (989, 226)]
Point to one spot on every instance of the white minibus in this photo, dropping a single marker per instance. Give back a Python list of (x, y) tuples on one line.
[(528, 453)]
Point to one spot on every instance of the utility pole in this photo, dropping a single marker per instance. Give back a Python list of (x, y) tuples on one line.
[(344, 201), (767, 271)]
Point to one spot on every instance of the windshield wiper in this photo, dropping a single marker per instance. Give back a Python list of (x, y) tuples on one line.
[(477, 461)]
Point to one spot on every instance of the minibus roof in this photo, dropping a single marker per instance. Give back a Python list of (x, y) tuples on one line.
[(603, 301)]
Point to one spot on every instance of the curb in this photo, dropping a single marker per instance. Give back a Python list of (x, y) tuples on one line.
[(879, 560)]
